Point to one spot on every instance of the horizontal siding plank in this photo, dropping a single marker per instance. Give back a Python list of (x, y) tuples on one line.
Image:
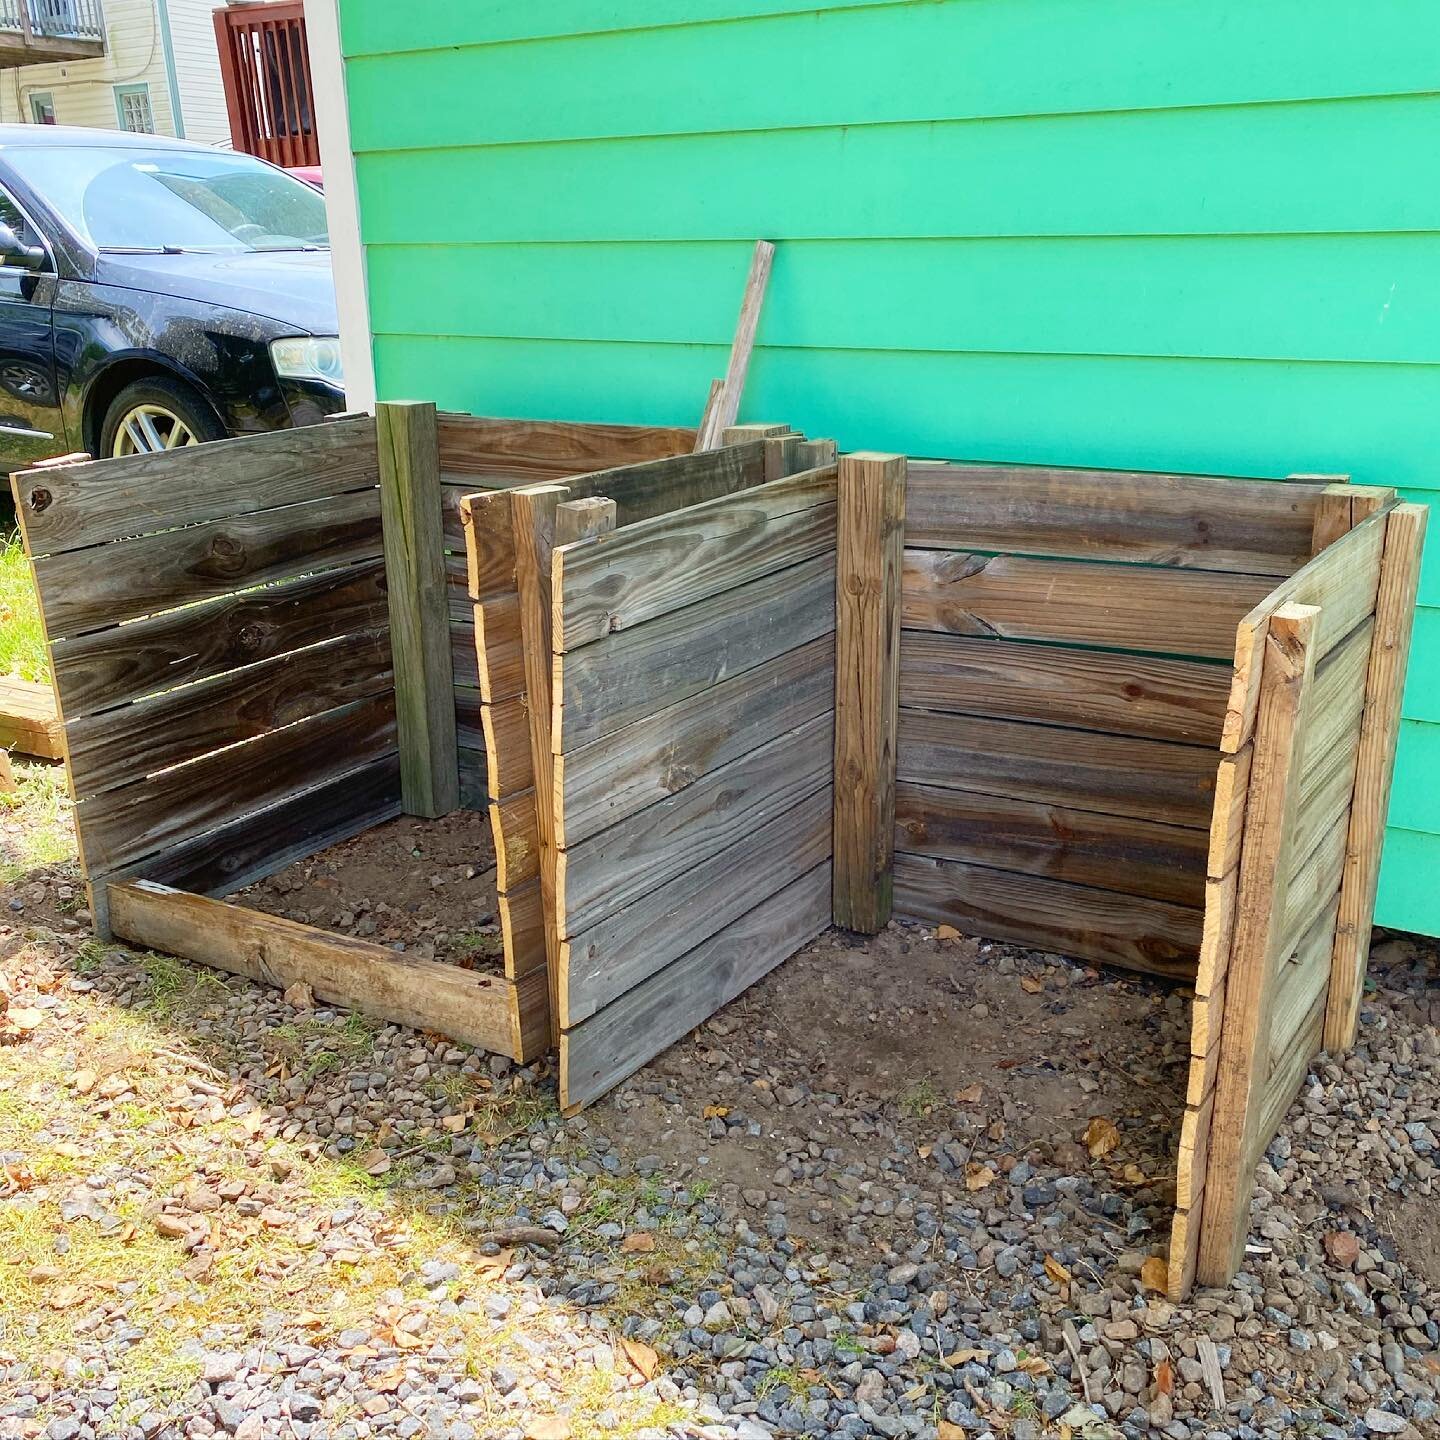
[(1409, 899), (1010, 597), (1422, 680), (1412, 795), (1119, 694)]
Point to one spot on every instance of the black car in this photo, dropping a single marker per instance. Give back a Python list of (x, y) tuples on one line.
[(156, 294)]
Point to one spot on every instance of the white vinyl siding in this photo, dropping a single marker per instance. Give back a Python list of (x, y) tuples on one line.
[(197, 68)]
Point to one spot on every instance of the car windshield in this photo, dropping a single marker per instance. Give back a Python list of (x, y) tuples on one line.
[(160, 200)]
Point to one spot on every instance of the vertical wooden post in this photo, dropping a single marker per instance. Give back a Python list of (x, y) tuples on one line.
[(1379, 727), (410, 510), (533, 512), (870, 517), (1266, 863)]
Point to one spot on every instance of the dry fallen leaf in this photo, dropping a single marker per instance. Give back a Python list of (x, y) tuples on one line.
[(1155, 1274), (965, 1356), (642, 1357), (639, 1242), (300, 996), (1056, 1271), (950, 1432), (946, 932), (1133, 1175), (1100, 1137), (715, 1112), (978, 1176), (1342, 1246), (1030, 985), (375, 1162), (1034, 1365), (1164, 1378), (970, 1095), (453, 1123), (548, 1427)]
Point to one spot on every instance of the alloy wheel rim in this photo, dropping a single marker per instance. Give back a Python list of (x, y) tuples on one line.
[(145, 429)]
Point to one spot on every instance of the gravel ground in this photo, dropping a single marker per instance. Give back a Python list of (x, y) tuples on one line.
[(903, 1189)]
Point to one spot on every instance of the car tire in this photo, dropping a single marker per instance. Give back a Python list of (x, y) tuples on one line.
[(157, 413)]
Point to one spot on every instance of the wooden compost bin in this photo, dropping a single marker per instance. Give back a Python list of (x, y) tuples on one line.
[(251, 665)]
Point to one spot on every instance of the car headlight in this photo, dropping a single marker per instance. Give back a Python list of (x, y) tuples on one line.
[(309, 357)]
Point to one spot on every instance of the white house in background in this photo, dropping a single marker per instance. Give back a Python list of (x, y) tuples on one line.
[(160, 70)]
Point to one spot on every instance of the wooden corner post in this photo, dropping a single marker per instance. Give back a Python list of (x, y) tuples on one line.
[(1379, 728), (410, 509), (870, 541), (1258, 947)]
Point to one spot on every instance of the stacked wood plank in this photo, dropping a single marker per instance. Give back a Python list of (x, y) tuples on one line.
[(29, 721), (692, 734)]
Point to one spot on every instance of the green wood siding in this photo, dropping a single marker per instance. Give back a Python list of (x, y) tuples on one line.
[(1106, 232)]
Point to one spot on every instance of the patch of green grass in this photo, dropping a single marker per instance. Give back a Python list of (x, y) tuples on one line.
[(477, 944), (22, 640), (41, 802), (920, 1099), (773, 1379), (1024, 1406), (172, 987), (847, 1345)]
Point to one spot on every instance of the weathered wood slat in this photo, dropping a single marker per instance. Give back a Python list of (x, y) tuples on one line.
[(1287, 1076), (1010, 597), (602, 963), (522, 930), (1303, 978), (464, 662), (614, 868), (1139, 695), (1342, 581), (499, 649), (1314, 878), (634, 673), (116, 747), (471, 767), (489, 544), (1110, 852), (88, 589), (517, 840), (73, 506), (612, 778), (1124, 930), (727, 406), (1111, 774), (339, 969), (657, 487), (658, 565), (506, 730), (29, 721), (551, 449), (119, 827), (1196, 522), (123, 663), (1384, 687), (596, 1055)]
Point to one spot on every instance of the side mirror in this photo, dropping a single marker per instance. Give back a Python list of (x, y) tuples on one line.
[(13, 251)]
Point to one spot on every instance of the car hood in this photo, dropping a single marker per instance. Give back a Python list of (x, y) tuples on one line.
[(292, 287)]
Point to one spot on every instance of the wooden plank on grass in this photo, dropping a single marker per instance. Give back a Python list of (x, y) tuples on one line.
[(870, 509), (1141, 695), (596, 1055), (1257, 948), (634, 673), (658, 565), (29, 721), (1136, 934), (1384, 687), (602, 963), (1111, 774), (110, 667), (419, 607), (114, 747), (616, 867), (1110, 852), (1195, 522), (551, 449), (1078, 602), (339, 969), (1342, 580), (97, 501)]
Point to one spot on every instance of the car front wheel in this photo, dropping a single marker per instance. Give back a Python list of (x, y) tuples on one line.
[(158, 414)]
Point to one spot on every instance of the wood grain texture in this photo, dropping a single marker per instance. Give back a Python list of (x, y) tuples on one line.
[(596, 1055), (635, 673), (115, 747), (1384, 688), (1124, 930), (498, 646), (339, 969), (620, 774), (506, 731), (1291, 647), (489, 544), (577, 520), (657, 487), (73, 506), (600, 964), (614, 868), (1110, 852), (522, 929), (464, 661), (1303, 979), (419, 607), (513, 825), (1111, 774), (114, 666), (1139, 695), (1342, 581), (870, 508), (1195, 522), (551, 449), (658, 565), (1009, 597), (727, 407), (89, 589), (29, 719)]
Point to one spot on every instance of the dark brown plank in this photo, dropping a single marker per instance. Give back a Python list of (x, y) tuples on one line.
[(1112, 774), (1124, 930), (1124, 607), (1120, 694), (1197, 522), (87, 589), (1109, 852), (116, 746), (123, 663), (551, 449), (73, 506)]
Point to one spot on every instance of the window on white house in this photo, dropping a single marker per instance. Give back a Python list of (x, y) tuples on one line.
[(132, 106), (42, 108)]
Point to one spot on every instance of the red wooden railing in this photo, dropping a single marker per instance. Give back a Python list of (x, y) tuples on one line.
[(265, 66)]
